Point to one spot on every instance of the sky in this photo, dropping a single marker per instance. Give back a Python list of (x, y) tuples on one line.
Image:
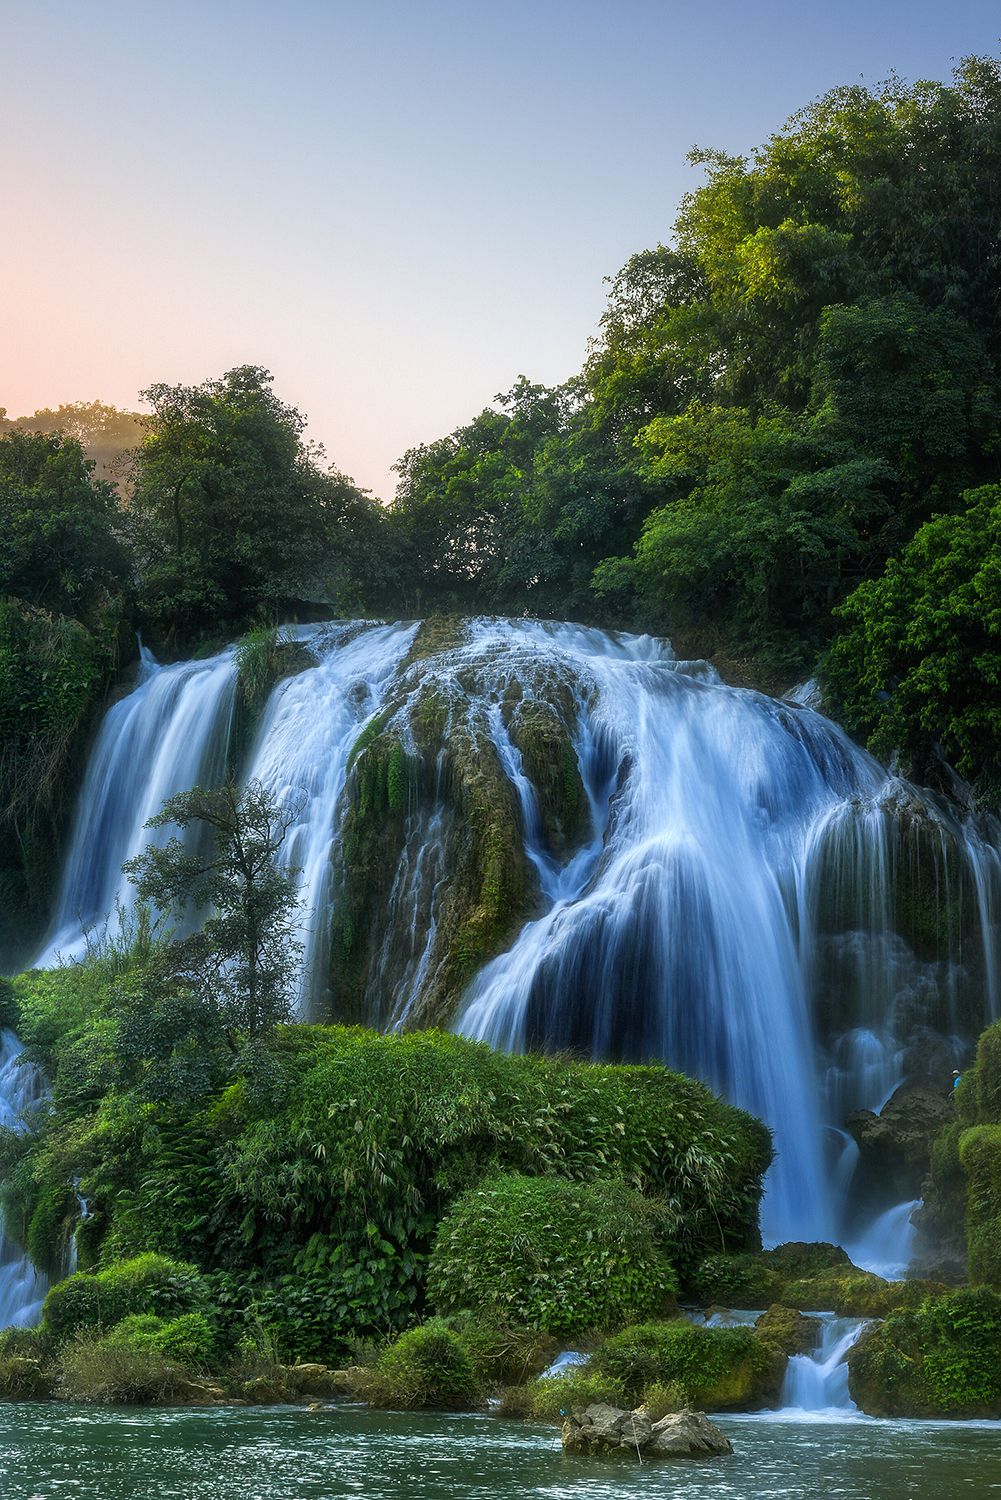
[(395, 207)]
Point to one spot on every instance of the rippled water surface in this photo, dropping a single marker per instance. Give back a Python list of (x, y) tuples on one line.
[(290, 1454)]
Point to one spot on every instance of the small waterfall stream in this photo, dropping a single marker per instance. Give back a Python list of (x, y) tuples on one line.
[(818, 1381), (22, 1288), (754, 900)]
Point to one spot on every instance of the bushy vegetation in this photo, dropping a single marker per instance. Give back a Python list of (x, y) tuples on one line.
[(147, 1284), (963, 1192), (426, 1367), (715, 1368), (939, 1360), (553, 1254), (311, 1178)]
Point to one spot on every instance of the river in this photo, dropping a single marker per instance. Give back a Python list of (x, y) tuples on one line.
[(48, 1452)]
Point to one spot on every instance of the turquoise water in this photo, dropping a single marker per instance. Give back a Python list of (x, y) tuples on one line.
[(48, 1452)]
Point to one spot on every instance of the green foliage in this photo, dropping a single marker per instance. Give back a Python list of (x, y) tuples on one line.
[(939, 1360), (186, 1340), (232, 514), (920, 656), (426, 1367), (552, 1399), (55, 1211), (147, 1284), (758, 508), (320, 1196), (59, 549), (241, 964), (116, 1372), (714, 1367), (736, 1281), (53, 671), (552, 1254), (259, 661)]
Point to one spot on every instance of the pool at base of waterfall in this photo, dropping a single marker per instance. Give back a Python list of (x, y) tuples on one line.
[(49, 1451)]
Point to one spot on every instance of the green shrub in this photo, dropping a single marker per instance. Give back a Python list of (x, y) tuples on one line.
[(980, 1155), (551, 1254), (426, 1367), (24, 1379), (185, 1340), (714, 1367), (31, 1343), (736, 1281), (503, 1355), (147, 1284), (116, 1372), (940, 1360), (556, 1396)]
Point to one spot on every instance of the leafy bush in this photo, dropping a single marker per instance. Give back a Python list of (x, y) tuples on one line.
[(185, 1340), (939, 1360), (101, 1369), (553, 1254), (426, 1367), (921, 648), (714, 1367), (736, 1281), (147, 1284), (555, 1397)]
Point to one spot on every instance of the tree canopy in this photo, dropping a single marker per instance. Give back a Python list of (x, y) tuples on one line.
[(777, 400), (234, 517)]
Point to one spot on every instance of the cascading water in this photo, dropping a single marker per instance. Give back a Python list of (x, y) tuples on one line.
[(170, 734), (749, 897), (22, 1288), (818, 1381)]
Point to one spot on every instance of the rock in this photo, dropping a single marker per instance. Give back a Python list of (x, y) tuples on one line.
[(895, 1145), (687, 1433), (319, 1380), (600, 1429), (786, 1329)]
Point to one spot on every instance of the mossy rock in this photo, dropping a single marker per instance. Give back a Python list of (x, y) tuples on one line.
[(425, 775), (788, 1330), (938, 1360), (549, 760)]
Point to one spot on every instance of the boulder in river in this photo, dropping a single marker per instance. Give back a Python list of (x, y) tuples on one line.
[(684, 1434)]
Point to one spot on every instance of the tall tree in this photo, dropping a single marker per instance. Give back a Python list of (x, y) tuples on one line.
[(231, 520), (243, 959)]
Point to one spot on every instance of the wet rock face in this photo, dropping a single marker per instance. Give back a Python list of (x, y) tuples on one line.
[(602, 1429), (895, 1145), (434, 875)]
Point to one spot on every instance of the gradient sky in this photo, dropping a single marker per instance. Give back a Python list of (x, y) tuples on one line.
[(396, 207)]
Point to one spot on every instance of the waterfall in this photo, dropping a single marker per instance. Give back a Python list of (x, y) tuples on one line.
[(750, 898), (170, 734), (818, 1381), (22, 1288)]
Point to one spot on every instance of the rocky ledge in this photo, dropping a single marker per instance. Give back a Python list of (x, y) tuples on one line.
[(684, 1434)]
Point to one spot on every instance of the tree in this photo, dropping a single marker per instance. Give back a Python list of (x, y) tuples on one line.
[(59, 542), (918, 661), (243, 962), (231, 523)]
